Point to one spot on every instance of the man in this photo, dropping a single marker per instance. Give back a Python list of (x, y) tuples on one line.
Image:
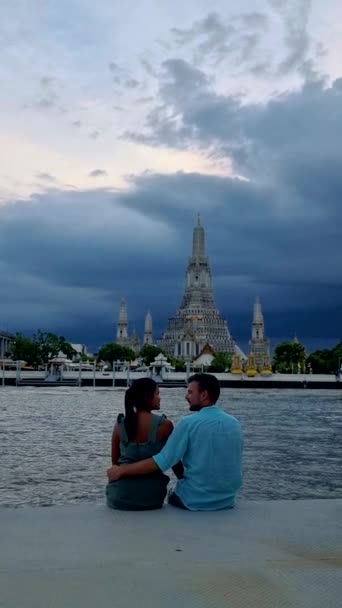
[(209, 444)]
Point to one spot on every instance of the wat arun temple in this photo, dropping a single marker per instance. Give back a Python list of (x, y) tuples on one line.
[(197, 325), (197, 322)]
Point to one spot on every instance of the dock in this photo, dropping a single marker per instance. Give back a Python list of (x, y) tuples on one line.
[(262, 554)]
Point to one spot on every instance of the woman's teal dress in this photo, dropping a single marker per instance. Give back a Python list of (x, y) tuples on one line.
[(138, 493)]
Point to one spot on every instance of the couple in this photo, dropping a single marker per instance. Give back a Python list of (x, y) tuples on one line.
[(204, 451)]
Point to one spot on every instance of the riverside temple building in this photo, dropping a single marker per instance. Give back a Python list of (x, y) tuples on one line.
[(197, 324)]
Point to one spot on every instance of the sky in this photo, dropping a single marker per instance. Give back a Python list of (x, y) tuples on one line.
[(118, 124)]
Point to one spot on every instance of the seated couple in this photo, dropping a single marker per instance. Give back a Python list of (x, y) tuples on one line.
[(204, 450)]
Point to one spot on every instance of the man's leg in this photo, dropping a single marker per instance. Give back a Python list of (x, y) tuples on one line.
[(175, 501)]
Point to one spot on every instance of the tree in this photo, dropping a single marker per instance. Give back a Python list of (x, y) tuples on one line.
[(50, 345), (67, 349), (178, 364), (115, 352), (25, 349), (149, 352), (40, 349), (220, 363), (289, 357), (326, 361)]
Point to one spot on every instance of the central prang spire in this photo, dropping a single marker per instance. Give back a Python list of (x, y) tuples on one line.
[(197, 322), (198, 240)]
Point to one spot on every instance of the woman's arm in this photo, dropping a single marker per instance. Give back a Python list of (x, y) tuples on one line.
[(116, 444), (165, 431)]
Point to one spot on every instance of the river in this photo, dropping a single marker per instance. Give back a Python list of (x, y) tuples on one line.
[(55, 442)]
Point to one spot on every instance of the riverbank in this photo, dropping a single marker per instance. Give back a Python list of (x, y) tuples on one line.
[(172, 380), (262, 554)]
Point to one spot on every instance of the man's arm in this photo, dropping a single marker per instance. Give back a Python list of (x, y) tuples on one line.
[(165, 430), (175, 448), (143, 467), (170, 455)]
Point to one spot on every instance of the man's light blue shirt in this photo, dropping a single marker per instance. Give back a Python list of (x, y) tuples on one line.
[(209, 443)]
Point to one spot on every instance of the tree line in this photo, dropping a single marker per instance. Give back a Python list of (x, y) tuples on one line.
[(289, 357)]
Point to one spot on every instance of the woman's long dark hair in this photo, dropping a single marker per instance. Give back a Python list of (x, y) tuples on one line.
[(135, 399)]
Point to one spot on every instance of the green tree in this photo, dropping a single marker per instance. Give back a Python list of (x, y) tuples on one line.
[(115, 352), (289, 357), (337, 356), (220, 363), (40, 349), (326, 361), (178, 364), (149, 352), (25, 349), (50, 345)]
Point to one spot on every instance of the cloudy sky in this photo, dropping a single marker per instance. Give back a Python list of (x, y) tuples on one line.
[(119, 124)]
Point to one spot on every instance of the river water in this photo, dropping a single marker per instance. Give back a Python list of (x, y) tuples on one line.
[(55, 442)]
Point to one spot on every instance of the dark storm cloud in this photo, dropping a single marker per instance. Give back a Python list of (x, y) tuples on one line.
[(276, 233), (88, 249), (76, 255), (296, 133)]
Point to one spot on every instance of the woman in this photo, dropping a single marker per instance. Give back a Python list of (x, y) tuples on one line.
[(137, 435)]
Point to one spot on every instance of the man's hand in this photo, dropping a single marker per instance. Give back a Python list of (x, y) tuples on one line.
[(142, 467), (113, 473)]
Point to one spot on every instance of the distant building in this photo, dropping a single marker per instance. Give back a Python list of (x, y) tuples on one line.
[(80, 349), (197, 322), (148, 333), (5, 342), (206, 357), (260, 345), (122, 336)]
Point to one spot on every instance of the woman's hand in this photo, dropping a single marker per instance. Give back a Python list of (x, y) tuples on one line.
[(113, 473)]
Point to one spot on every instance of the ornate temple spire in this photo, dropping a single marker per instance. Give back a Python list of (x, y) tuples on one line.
[(148, 338), (197, 321), (198, 240), (257, 313), (260, 347), (123, 316), (258, 321), (122, 326)]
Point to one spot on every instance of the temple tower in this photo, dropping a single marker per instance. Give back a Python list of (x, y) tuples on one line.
[(122, 324), (260, 346), (197, 321), (148, 337)]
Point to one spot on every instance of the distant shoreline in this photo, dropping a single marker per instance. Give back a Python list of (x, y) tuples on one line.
[(297, 382)]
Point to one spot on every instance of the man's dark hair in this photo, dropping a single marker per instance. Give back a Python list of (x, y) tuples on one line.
[(209, 383)]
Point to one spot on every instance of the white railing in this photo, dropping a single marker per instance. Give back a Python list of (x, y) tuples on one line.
[(129, 375)]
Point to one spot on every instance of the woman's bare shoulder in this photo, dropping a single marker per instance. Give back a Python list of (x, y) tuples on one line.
[(165, 429)]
